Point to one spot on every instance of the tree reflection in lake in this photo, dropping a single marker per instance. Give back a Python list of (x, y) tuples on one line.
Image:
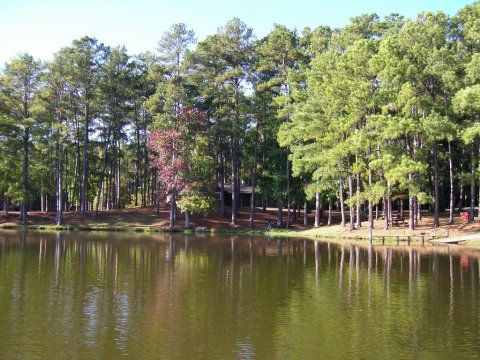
[(135, 295)]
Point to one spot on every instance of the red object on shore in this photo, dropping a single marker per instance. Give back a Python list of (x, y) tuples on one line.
[(464, 215)]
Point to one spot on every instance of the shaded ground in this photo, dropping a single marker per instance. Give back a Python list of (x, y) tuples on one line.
[(147, 217)]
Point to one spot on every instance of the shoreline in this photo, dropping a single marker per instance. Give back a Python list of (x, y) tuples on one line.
[(399, 242), (146, 220)]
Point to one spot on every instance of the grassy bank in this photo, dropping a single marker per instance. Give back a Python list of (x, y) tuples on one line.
[(83, 228), (314, 234), (148, 220), (334, 234)]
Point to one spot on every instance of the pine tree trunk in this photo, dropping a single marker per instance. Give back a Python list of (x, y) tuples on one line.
[(329, 221), (431, 206), (288, 190), (389, 203), (359, 205), (68, 184), (479, 197), (5, 204), (279, 212), (222, 183), (113, 181), (452, 184), (83, 194), (136, 184), (138, 154), (145, 181), (350, 198), (384, 205), (462, 176), (385, 213), (118, 184), (264, 198), (128, 186), (23, 205), (254, 180), (234, 195), (239, 198), (411, 208), (472, 183), (76, 177), (436, 181), (108, 189), (41, 199), (59, 214), (478, 210), (59, 187), (342, 202), (295, 210), (418, 207), (305, 214), (370, 203), (317, 210), (234, 184), (411, 212), (235, 156), (102, 175), (252, 202)]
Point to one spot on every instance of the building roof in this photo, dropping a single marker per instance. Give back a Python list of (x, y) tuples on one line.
[(244, 189)]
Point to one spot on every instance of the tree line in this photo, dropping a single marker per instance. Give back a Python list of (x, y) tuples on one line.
[(381, 114)]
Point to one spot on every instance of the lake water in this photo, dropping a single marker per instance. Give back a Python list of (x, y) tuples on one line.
[(135, 296)]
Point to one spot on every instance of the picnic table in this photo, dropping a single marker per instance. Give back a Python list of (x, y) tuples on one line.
[(397, 219)]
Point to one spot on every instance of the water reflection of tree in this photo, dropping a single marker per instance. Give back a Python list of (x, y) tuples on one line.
[(132, 294)]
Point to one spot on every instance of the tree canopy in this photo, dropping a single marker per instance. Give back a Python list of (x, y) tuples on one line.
[(383, 113)]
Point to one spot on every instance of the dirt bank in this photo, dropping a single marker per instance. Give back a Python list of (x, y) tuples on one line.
[(148, 218)]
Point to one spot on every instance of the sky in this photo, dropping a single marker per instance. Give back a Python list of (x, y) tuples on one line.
[(42, 27)]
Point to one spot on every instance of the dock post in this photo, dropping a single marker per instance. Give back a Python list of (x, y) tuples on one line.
[(383, 240), (408, 239), (398, 240)]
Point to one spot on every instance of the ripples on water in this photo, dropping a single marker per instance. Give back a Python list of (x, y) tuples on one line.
[(136, 296)]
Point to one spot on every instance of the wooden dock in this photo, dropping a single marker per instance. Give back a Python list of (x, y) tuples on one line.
[(455, 240)]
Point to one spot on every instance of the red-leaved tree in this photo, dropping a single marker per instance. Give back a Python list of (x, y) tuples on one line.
[(170, 153)]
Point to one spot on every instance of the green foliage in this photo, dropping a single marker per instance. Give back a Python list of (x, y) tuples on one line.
[(196, 202), (379, 100), (467, 101), (199, 197)]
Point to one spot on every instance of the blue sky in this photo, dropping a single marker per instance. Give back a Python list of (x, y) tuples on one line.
[(42, 27)]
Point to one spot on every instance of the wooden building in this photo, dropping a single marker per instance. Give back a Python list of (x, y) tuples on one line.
[(245, 194)]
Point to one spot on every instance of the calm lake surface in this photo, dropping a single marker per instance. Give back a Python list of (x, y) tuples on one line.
[(110, 296)]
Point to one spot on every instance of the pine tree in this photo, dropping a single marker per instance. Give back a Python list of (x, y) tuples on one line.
[(19, 87)]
